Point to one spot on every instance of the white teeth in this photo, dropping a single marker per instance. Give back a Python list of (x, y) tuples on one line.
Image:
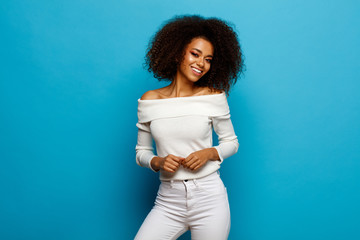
[(197, 70)]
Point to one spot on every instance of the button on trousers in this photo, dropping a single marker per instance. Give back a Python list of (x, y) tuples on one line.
[(199, 205)]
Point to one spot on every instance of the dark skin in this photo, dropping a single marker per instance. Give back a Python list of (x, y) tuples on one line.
[(196, 63)]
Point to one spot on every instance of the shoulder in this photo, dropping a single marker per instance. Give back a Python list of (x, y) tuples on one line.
[(210, 91), (163, 93), (150, 95), (216, 91), (159, 93)]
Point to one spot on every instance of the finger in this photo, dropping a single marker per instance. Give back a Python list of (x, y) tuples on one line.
[(169, 168), (193, 165), (185, 163), (178, 159), (171, 164), (191, 161), (188, 158), (174, 162), (175, 158), (198, 166)]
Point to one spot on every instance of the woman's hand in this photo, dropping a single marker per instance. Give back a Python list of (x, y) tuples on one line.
[(197, 159), (170, 163)]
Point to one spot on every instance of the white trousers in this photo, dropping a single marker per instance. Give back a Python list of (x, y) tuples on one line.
[(200, 205)]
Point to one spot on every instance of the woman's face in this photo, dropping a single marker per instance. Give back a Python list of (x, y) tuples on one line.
[(197, 59)]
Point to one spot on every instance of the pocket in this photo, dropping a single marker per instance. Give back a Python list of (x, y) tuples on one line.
[(164, 189), (168, 191), (213, 186), (169, 198)]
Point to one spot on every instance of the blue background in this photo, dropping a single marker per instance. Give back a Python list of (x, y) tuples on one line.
[(71, 74)]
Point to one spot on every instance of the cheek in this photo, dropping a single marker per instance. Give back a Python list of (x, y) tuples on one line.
[(190, 59), (187, 58), (208, 66)]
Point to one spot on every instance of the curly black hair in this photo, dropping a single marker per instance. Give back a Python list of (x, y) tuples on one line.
[(168, 44)]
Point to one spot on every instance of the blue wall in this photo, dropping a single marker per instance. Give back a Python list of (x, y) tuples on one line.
[(70, 76)]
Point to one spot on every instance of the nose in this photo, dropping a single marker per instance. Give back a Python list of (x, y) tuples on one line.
[(200, 62)]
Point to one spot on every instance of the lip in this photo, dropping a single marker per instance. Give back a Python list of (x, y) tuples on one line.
[(196, 73)]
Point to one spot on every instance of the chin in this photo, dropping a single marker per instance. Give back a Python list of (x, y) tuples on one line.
[(194, 80)]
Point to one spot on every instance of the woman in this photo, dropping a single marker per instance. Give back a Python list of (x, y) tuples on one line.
[(202, 59)]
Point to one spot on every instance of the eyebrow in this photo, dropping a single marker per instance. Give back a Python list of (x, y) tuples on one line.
[(202, 52)]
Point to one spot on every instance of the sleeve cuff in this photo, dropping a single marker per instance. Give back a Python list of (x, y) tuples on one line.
[(145, 160), (149, 166), (219, 153)]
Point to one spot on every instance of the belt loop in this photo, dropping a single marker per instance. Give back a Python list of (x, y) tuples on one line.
[(171, 183), (195, 182)]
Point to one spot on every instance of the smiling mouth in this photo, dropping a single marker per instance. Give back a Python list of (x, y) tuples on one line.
[(198, 71)]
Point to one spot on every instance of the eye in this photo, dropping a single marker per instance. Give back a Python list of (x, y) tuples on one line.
[(209, 60), (194, 54)]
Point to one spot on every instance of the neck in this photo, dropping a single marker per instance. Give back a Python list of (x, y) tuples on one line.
[(181, 87)]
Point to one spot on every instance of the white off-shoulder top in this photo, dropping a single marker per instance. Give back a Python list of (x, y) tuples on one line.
[(181, 126)]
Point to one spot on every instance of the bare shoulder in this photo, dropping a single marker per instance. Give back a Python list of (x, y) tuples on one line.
[(159, 93), (217, 91), (150, 95), (211, 91)]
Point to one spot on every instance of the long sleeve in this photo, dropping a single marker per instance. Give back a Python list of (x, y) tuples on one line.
[(181, 126), (228, 142), (144, 147)]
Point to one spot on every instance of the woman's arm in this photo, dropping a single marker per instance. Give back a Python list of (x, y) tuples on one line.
[(228, 145), (144, 147), (170, 163), (197, 159), (228, 142), (145, 156)]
